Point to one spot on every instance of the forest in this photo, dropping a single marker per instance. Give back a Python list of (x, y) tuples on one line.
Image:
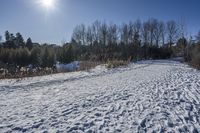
[(102, 42)]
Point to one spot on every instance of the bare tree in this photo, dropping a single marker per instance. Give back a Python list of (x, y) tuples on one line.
[(158, 32), (83, 33), (112, 34), (137, 26), (137, 29), (152, 27), (0, 38), (124, 34), (103, 33), (163, 32), (134, 29), (183, 28), (198, 37), (148, 31), (89, 36), (79, 34), (145, 33), (172, 32), (96, 31), (131, 32)]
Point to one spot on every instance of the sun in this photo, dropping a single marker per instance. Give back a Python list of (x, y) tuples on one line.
[(48, 6), (47, 3)]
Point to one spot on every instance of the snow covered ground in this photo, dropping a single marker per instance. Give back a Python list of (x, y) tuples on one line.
[(148, 96)]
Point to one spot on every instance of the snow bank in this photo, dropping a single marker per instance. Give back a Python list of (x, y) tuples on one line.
[(67, 67)]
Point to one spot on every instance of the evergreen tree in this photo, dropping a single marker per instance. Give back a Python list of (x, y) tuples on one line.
[(7, 36), (0, 39), (29, 44), (48, 57), (36, 57), (19, 40)]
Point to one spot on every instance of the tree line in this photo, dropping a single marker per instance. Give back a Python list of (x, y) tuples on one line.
[(16, 52), (151, 39), (101, 41)]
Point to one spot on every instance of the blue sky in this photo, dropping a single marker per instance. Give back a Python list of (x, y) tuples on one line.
[(56, 25)]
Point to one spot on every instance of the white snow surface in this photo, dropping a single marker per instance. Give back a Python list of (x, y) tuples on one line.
[(148, 96)]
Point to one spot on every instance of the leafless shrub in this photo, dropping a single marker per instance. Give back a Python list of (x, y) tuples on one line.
[(195, 57), (117, 63), (86, 65)]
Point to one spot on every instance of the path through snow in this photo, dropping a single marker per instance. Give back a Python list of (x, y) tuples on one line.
[(149, 96)]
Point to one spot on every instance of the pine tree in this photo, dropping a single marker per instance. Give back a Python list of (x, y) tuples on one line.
[(19, 41), (29, 44), (36, 57)]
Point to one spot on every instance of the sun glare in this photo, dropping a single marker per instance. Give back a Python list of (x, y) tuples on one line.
[(47, 3), (47, 6)]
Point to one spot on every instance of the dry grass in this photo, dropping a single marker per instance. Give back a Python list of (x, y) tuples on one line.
[(196, 57), (86, 65), (196, 61), (6, 74), (116, 63)]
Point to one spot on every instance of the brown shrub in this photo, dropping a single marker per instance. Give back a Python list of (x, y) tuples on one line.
[(195, 58), (86, 65), (116, 63)]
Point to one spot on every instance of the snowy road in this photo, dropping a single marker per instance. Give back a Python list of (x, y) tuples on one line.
[(150, 96)]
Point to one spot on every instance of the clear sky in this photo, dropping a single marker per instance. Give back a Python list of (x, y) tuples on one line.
[(55, 25)]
